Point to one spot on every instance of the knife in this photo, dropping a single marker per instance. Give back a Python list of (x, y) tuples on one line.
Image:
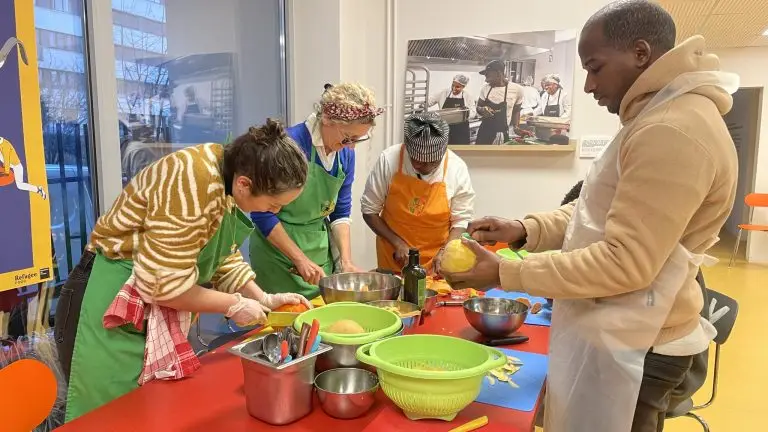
[(513, 340)]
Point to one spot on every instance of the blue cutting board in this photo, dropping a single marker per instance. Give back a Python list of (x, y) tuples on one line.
[(543, 318), (530, 378)]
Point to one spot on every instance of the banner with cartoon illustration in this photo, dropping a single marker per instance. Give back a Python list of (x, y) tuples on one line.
[(25, 228)]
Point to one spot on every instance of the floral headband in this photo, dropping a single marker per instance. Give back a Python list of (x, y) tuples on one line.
[(350, 113)]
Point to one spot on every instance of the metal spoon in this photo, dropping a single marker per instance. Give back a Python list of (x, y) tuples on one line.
[(271, 347)]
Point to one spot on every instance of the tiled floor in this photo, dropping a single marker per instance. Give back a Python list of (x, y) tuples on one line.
[(739, 405)]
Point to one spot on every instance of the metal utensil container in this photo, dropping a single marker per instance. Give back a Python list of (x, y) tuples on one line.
[(277, 394), (360, 287)]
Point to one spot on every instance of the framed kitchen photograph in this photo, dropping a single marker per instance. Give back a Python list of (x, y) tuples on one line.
[(497, 92)]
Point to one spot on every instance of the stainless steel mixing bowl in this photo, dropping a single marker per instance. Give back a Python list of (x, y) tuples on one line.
[(360, 287), (346, 393), (495, 317)]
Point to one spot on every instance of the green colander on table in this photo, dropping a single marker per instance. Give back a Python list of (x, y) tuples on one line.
[(431, 376), (377, 323)]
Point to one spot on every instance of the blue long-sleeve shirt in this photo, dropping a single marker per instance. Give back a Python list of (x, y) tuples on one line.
[(265, 222)]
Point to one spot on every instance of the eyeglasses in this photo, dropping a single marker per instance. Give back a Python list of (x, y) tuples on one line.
[(349, 140)]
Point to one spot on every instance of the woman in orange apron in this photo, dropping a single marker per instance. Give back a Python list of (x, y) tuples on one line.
[(419, 195)]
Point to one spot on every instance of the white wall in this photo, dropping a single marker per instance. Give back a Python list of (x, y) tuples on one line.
[(751, 64), (314, 30), (346, 39)]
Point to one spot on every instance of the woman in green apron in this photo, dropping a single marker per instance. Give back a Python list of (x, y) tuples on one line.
[(294, 243), (178, 224)]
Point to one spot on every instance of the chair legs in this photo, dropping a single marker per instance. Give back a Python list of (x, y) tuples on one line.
[(735, 248), (698, 418)]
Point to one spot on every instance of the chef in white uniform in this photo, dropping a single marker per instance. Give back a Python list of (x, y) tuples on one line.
[(456, 97), (531, 97), (555, 102)]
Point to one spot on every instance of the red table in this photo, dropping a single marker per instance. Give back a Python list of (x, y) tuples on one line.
[(213, 400)]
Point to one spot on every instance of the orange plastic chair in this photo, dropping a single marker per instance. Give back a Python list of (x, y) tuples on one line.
[(752, 200), (29, 386)]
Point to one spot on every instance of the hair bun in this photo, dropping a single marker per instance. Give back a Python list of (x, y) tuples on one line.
[(269, 133)]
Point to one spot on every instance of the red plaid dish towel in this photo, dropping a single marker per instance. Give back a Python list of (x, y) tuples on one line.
[(167, 354)]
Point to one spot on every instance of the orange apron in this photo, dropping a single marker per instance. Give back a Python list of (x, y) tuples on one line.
[(419, 213)]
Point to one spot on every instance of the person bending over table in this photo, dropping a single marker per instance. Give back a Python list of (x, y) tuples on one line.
[(626, 323), (290, 249), (419, 195), (176, 225)]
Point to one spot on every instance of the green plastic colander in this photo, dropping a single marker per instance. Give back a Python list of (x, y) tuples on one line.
[(431, 376), (377, 323)]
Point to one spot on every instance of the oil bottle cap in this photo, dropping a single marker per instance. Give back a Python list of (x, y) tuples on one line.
[(413, 251)]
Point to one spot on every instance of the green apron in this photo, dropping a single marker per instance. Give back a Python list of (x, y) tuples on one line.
[(106, 364), (305, 222)]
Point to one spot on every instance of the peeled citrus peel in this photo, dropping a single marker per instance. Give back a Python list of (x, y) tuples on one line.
[(504, 373)]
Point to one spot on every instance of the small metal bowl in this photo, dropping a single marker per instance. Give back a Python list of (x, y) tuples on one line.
[(495, 317), (403, 307), (346, 393), (431, 301)]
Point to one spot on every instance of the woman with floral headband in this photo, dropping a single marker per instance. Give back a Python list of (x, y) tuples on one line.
[(290, 250)]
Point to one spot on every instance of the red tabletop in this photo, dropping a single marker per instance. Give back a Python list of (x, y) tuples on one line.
[(213, 398)]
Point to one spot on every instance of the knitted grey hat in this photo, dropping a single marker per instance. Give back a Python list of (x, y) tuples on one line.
[(426, 137)]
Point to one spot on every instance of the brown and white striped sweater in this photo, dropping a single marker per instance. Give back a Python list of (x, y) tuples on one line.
[(164, 217)]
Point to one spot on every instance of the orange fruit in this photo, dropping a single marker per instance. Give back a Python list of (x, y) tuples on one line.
[(298, 308)]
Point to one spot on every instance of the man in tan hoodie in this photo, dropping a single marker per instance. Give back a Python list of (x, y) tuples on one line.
[(661, 191)]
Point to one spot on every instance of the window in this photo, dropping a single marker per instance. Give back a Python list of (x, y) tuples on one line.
[(65, 109), (177, 83)]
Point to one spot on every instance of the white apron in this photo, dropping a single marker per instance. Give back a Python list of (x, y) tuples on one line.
[(598, 346)]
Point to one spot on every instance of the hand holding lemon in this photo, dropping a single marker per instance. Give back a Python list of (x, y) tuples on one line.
[(467, 264)]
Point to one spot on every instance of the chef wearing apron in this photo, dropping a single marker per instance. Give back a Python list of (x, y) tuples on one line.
[(497, 104), (456, 97), (291, 250), (419, 195), (554, 102), (162, 245)]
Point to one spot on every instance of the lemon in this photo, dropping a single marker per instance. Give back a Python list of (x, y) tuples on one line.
[(457, 258)]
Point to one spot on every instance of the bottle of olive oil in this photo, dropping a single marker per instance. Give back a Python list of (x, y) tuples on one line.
[(414, 280)]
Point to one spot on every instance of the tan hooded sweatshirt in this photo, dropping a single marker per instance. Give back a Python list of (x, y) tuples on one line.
[(677, 185)]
